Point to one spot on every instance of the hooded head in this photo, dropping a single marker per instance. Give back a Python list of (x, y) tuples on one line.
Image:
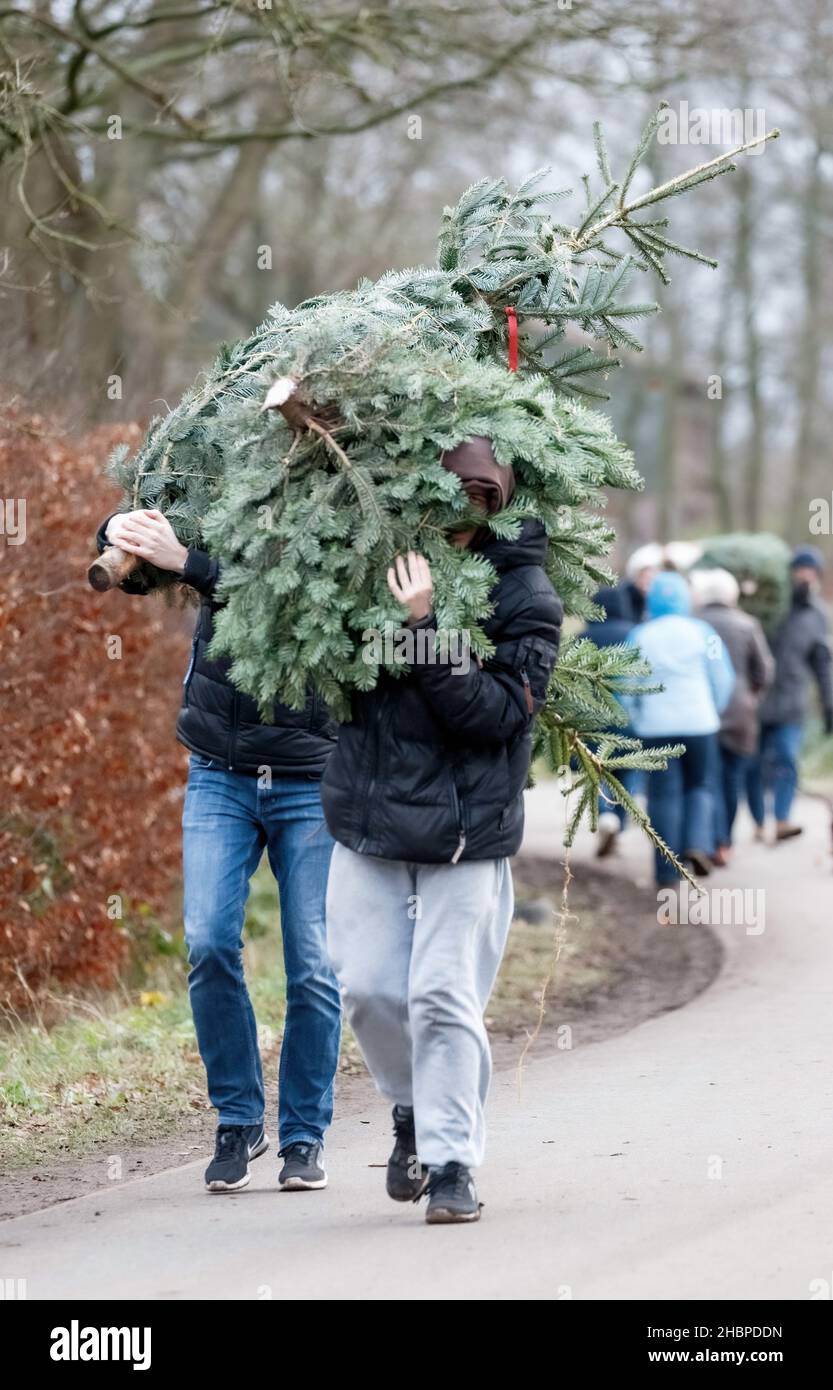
[(715, 586), (669, 593), (488, 484)]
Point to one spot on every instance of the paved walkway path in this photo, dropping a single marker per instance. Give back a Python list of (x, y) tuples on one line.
[(689, 1158)]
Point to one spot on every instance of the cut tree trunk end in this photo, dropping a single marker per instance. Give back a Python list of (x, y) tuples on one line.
[(111, 567), (301, 415)]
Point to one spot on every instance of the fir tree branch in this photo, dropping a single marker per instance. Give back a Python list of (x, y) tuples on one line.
[(680, 183)]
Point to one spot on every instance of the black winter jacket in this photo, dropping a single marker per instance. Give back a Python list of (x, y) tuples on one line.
[(611, 630), (633, 602), (801, 648), (433, 765), (219, 721)]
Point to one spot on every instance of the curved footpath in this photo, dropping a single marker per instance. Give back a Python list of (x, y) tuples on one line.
[(689, 1158)]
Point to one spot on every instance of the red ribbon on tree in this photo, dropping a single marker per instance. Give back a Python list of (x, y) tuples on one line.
[(512, 318)]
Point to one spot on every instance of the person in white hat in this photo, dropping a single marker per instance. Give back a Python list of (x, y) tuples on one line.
[(640, 570)]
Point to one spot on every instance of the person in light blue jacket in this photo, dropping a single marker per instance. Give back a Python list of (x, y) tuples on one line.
[(689, 660)]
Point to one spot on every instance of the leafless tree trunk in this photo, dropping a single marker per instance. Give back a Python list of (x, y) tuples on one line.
[(755, 470), (810, 346), (719, 364)]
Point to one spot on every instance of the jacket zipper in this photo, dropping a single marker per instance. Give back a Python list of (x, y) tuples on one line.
[(186, 683), (461, 824), (232, 738), (360, 848), (530, 703)]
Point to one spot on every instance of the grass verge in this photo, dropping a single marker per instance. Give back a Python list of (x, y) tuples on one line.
[(817, 761)]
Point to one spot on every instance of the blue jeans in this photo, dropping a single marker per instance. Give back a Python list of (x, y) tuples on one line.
[(227, 821), (731, 771), (775, 767), (680, 799)]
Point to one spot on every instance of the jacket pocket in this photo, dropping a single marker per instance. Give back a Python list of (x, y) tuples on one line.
[(536, 662)]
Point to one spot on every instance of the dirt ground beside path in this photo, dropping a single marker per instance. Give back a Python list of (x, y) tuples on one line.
[(617, 968), (638, 968)]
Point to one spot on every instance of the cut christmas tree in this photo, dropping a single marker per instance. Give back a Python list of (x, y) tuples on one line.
[(310, 454), (308, 525), (760, 563)]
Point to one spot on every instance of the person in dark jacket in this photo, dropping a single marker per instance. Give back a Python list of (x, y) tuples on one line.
[(611, 631), (252, 785), (801, 648), (424, 796), (613, 628), (717, 593)]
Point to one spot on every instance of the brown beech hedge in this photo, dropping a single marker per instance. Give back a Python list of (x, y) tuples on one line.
[(92, 777)]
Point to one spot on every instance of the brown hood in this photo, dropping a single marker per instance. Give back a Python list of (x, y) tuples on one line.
[(474, 462)]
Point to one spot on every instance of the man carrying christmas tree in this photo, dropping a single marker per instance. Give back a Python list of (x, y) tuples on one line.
[(424, 795), (252, 785)]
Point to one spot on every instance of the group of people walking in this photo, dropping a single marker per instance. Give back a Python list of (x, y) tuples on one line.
[(389, 837), (735, 702)]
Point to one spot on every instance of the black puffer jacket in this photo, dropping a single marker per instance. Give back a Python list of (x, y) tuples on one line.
[(801, 648), (221, 723), (433, 765)]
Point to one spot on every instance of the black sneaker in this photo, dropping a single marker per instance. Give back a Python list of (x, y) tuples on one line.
[(451, 1195), (302, 1167), (406, 1176), (228, 1170)]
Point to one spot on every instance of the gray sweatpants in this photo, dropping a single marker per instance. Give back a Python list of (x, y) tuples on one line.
[(416, 948)]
